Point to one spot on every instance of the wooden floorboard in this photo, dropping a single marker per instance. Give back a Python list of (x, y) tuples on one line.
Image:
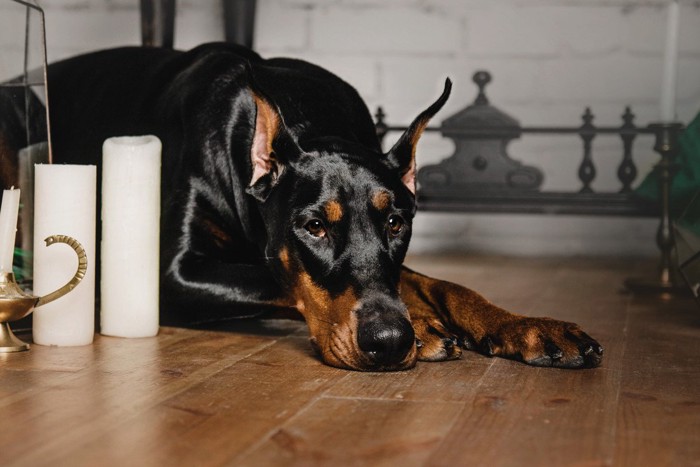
[(658, 415), (254, 394)]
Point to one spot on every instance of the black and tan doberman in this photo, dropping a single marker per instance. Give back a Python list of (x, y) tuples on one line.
[(277, 198)]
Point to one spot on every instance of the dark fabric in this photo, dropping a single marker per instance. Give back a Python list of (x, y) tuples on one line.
[(686, 182)]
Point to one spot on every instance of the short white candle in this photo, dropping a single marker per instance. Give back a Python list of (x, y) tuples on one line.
[(8, 228), (130, 248), (64, 204), (670, 66)]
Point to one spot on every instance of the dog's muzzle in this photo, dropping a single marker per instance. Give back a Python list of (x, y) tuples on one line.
[(384, 335)]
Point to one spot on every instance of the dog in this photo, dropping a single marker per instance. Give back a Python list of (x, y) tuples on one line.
[(279, 201)]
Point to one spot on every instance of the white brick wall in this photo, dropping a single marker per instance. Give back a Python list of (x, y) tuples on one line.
[(549, 58)]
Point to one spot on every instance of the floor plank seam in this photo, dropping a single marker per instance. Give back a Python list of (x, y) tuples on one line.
[(465, 406), (389, 399), (618, 389), (270, 433), (85, 434)]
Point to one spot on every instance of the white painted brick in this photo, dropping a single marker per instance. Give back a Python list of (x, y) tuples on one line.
[(511, 31), (132, 5), (531, 31), (583, 30), (384, 30), (616, 78), (361, 72), (211, 5), (71, 4), (532, 235), (350, 3), (416, 80), (645, 30), (513, 80), (91, 30), (306, 3), (624, 80), (11, 62), (12, 37), (280, 27), (194, 26)]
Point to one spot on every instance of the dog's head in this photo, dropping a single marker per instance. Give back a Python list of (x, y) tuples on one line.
[(338, 219)]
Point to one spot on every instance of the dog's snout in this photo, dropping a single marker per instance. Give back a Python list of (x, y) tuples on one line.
[(386, 342)]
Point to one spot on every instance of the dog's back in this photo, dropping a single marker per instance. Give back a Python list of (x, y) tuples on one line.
[(151, 85)]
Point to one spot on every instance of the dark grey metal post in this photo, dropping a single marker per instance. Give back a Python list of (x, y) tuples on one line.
[(158, 23), (239, 19), (667, 280)]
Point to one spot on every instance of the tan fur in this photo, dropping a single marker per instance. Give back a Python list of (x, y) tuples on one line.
[(267, 123), (334, 211), (333, 325), (220, 236), (381, 200), (409, 177), (330, 320), (284, 258)]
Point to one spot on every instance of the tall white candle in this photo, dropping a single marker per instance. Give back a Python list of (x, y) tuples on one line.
[(8, 228), (130, 248), (64, 204), (670, 66)]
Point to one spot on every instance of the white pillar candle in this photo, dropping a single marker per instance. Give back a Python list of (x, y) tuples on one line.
[(670, 66), (8, 228), (130, 248), (64, 204)]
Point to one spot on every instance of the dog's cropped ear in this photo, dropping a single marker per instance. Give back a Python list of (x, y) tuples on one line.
[(402, 156), (271, 149)]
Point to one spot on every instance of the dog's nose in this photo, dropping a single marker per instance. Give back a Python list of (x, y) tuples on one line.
[(386, 342)]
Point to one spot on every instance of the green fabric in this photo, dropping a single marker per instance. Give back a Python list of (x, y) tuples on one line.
[(686, 182)]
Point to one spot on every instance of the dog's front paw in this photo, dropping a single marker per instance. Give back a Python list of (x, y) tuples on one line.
[(434, 342), (544, 342)]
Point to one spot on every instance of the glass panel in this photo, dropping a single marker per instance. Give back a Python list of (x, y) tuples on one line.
[(23, 124)]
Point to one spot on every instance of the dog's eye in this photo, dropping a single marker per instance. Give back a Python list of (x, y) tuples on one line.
[(395, 225), (315, 227)]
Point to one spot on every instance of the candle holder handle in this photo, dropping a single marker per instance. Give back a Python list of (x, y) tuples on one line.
[(16, 304), (77, 277)]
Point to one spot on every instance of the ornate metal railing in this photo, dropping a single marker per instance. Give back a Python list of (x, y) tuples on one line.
[(481, 133), (481, 177)]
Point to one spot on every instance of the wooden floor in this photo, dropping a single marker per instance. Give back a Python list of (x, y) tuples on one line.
[(257, 396)]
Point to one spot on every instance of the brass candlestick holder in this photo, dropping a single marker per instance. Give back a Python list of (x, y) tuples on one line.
[(16, 304)]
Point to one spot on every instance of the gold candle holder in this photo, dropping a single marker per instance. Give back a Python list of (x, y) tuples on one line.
[(16, 304)]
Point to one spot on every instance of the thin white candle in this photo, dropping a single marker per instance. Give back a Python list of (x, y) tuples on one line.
[(28, 157), (670, 66), (130, 248), (64, 204), (8, 228)]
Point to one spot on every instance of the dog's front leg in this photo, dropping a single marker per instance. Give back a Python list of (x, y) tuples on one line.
[(446, 316), (197, 289)]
